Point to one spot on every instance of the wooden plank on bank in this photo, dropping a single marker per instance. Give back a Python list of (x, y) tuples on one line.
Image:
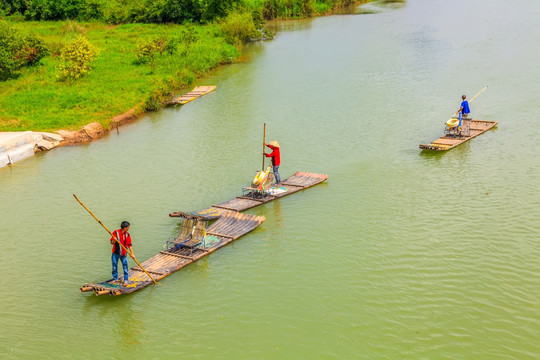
[(192, 95)]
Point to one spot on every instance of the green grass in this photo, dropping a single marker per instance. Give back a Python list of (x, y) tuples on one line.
[(36, 100)]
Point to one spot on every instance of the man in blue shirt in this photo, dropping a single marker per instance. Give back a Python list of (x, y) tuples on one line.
[(465, 110)]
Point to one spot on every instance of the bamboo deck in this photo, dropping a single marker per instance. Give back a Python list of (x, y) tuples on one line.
[(444, 143), (297, 182), (229, 226), (192, 95)]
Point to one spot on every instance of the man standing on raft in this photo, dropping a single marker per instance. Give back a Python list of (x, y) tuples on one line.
[(464, 112), (275, 159), (118, 252)]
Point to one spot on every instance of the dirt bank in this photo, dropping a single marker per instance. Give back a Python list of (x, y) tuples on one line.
[(95, 130)]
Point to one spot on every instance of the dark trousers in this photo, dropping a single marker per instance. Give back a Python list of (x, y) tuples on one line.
[(276, 173)]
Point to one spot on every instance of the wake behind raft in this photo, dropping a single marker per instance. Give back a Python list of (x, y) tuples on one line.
[(203, 232)]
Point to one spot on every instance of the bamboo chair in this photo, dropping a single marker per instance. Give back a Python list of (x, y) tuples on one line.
[(183, 234), (185, 230), (190, 236)]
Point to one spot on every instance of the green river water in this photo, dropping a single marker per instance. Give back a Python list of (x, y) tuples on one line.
[(401, 254)]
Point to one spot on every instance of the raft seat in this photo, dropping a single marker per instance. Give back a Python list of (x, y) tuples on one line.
[(463, 129), (258, 191)]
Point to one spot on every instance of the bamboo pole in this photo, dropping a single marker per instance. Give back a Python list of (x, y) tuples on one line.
[(474, 97), (481, 91), (115, 238), (264, 144)]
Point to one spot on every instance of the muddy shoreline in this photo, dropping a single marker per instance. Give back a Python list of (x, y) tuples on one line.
[(96, 130)]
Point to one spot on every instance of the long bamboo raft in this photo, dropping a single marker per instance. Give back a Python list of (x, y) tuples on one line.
[(192, 95), (477, 127), (230, 224)]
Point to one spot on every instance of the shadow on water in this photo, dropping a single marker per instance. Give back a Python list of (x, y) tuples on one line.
[(251, 50), (354, 10), (375, 7), (401, 2), (200, 266), (363, 11), (288, 25), (391, 4)]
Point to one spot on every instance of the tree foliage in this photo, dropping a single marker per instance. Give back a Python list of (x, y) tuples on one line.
[(148, 48), (121, 11), (161, 11)]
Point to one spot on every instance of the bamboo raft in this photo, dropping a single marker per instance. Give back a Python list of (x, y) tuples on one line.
[(230, 224), (192, 95), (447, 142)]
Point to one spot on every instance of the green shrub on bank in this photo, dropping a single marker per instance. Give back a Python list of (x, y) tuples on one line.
[(239, 28), (273, 9), (76, 59), (18, 50), (147, 50)]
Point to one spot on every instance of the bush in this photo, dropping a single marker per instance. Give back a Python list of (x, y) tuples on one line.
[(159, 96), (17, 50), (239, 27), (273, 9), (76, 59), (33, 50), (148, 49), (189, 36)]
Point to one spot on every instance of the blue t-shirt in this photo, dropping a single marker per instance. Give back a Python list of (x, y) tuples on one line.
[(465, 106)]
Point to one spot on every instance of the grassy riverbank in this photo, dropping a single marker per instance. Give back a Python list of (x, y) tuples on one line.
[(35, 99)]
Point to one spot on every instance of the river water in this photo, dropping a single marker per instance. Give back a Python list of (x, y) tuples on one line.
[(401, 254)]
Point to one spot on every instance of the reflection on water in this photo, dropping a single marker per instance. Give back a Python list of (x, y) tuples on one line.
[(120, 315), (379, 6), (278, 26), (392, 3)]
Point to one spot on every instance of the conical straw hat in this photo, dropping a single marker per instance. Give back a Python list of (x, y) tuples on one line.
[(274, 143)]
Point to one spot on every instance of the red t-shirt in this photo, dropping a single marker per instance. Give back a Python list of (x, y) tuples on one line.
[(274, 155), (125, 239)]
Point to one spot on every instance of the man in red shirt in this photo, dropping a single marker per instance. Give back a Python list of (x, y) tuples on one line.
[(274, 145), (118, 253)]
